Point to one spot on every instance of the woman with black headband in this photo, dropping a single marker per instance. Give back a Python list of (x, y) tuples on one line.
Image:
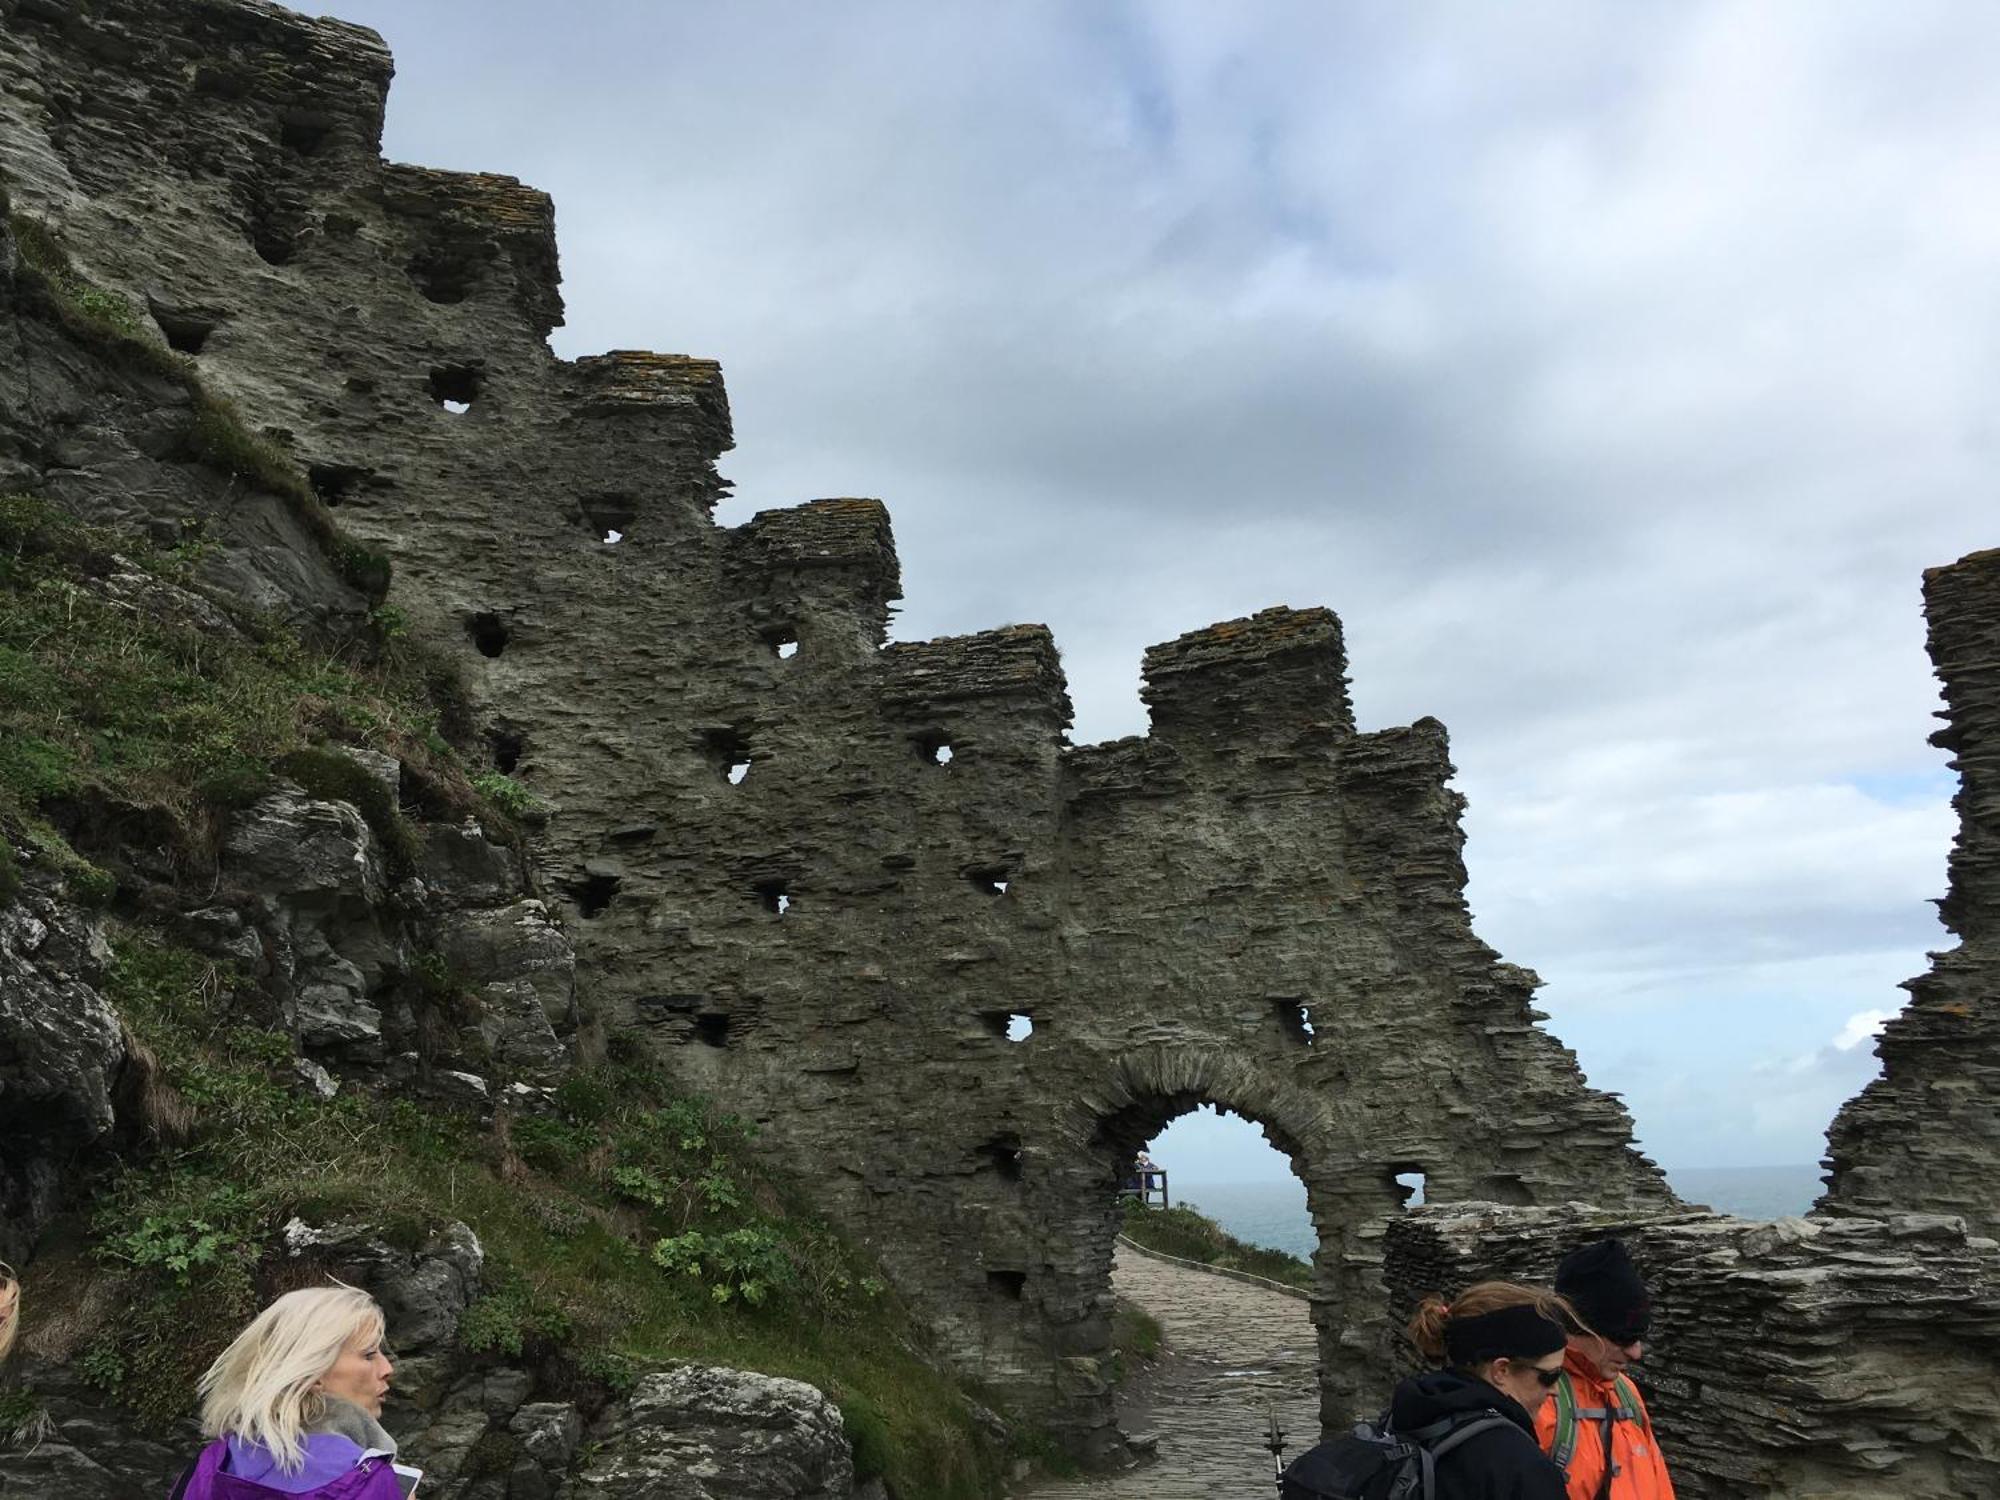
[(1501, 1346)]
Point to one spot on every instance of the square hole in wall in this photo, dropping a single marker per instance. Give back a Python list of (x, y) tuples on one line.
[(594, 893), (711, 1029), (1295, 1020), (608, 516), (185, 329), (775, 895), (335, 483), (934, 748), (455, 387), (507, 743), (1007, 1284), (488, 633), (727, 748), (1411, 1186), (991, 880), (1004, 1154)]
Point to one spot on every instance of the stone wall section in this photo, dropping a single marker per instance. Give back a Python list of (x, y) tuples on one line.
[(773, 873), (1924, 1137)]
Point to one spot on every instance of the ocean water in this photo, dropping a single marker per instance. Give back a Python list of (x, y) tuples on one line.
[(1274, 1213)]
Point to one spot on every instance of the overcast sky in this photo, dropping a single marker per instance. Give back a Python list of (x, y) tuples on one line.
[(1613, 371)]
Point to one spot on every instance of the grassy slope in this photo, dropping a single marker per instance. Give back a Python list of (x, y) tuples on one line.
[(1185, 1231)]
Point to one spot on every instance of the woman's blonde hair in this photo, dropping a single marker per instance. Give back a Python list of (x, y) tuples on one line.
[(1427, 1327), (263, 1386), (10, 1307)]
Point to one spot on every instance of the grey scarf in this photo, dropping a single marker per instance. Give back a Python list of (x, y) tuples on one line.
[(354, 1424)]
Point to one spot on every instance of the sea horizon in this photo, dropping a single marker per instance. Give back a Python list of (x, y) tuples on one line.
[(1273, 1213)]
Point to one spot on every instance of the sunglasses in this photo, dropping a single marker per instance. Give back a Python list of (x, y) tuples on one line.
[(1548, 1378)]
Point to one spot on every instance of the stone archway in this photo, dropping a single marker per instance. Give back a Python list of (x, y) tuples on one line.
[(1350, 1204)]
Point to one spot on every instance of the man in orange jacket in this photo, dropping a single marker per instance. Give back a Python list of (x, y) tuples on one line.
[(1597, 1428)]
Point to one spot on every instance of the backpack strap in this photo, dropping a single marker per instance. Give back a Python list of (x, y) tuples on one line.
[(181, 1485), (1435, 1439), (1610, 1456), (1466, 1430), (1563, 1449)]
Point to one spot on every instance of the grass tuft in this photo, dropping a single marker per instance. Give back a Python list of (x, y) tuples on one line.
[(122, 703), (217, 435)]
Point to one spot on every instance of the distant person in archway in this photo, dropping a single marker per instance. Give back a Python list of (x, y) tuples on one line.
[(1597, 1427), (1471, 1423)]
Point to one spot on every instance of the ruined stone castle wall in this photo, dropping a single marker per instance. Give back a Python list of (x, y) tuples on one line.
[(1256, 905), (1924, 1137)]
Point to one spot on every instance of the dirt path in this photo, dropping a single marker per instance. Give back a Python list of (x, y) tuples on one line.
[(1235, 1351)]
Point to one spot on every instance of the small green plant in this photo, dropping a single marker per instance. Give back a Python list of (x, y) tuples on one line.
[(511, 1316), (389, 622), (742, 1265), (1136, 1336), (103, 1367), (637, 1185), (24, 1421), (182, 1245), (507, 794)]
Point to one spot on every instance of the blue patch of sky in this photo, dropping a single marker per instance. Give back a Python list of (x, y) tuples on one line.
[(1118, 34), (1907, 788)]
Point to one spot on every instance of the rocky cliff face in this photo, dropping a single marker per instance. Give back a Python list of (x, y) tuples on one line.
[(1924, 1137)]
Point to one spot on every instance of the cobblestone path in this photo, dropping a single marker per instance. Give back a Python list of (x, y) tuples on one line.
[(1236, 1350)]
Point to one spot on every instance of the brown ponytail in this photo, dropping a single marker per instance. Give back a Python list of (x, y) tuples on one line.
[(1427, 1328)]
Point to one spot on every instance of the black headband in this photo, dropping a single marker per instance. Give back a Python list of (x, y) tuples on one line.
[(1517, 1332)]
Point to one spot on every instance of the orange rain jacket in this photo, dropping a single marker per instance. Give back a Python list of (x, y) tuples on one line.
[(1642, 1469)]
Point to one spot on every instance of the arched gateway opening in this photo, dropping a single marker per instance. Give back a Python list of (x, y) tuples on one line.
[(1350, 1193), (1214, 1262)]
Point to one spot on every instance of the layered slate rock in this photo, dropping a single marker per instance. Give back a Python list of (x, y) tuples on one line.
[(62, 1048), (1925, 1136), (1836, 1359), (714, 1434), (815, 877)]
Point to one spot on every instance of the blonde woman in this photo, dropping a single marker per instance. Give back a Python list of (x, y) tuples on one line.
[(292, 1406), (10, 1307)]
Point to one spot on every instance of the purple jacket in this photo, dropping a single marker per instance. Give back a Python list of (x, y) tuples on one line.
[(370, 1479)]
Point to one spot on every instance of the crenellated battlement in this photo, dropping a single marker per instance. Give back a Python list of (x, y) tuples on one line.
[(1018, 663), (462, 225), (1278, 665)]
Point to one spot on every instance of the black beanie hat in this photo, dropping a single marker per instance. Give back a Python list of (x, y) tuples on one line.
[(1603, 1285)]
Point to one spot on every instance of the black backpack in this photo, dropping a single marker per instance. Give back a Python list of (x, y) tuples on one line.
[(1375, 1462)]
